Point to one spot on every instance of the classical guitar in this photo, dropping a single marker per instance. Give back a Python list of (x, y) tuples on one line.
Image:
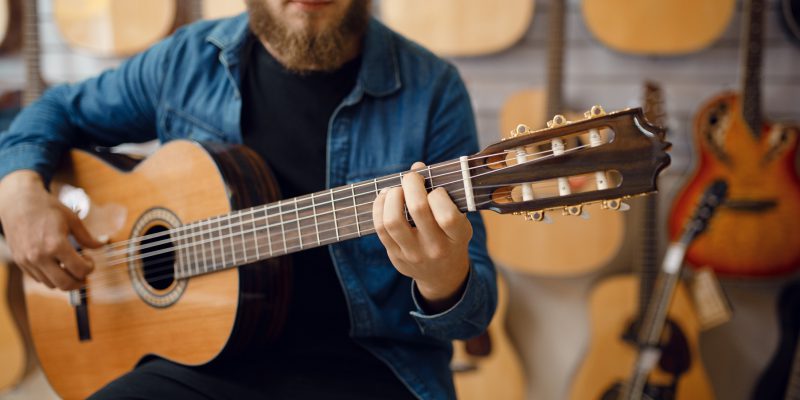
[(655, 27), (459, 27), (754, 233), (511, 240), (114, 27), (180, 222), (488, 366), (781, 378), (10, 21), (616, 316)]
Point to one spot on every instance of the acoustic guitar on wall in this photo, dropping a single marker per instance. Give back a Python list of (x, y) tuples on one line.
[(616, 317), (459, 27), (116, 28), (600, 236), (181, 221), (754, 233), (488, 366), (657, 27)]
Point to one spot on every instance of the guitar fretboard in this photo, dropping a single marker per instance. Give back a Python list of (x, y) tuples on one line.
[(295, 224)]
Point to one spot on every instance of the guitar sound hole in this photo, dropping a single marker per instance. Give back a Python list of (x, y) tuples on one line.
[(158, 268)]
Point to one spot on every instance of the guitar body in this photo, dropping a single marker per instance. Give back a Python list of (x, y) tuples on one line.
[(611, 357), (657, 27), (512, 239), (497, 374), (753, 233), (215, 315), (12, 347), (114, 27), (459, 27), (10, 25)]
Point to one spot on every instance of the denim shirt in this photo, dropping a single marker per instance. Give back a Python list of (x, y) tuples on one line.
[(407, 105)]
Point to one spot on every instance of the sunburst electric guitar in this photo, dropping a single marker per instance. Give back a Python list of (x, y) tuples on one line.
[(180, 222), (755, 232)]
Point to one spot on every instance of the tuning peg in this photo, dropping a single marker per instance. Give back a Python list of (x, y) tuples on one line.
[(594, 112), (557, 120), (573, 210), (535, 215), (612, 204)]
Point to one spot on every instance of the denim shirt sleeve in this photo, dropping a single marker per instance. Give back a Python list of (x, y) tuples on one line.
[(453, 134), (118, 106)]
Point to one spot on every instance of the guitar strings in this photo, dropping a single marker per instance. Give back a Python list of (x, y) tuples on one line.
[(232, 234), (252, 210), (254, 239), (330, 192), (169, 262), (282, 223)]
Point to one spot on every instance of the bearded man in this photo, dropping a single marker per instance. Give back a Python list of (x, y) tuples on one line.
[(326, 96)]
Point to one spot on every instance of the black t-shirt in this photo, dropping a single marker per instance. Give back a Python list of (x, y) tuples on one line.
[(285, 119)]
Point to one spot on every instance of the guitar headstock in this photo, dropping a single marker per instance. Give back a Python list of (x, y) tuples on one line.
[(601, 158)]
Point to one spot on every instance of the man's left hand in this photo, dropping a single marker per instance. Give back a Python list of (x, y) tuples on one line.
[(434, 253)]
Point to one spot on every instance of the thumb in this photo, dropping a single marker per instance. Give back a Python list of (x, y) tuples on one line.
[(81, 234)]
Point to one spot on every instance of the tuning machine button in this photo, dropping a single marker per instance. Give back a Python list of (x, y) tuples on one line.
[(594, 112)]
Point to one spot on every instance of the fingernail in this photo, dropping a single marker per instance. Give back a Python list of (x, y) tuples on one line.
[(384, 191)]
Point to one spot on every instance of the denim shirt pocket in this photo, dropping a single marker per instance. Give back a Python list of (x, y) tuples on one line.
[(177, 124)]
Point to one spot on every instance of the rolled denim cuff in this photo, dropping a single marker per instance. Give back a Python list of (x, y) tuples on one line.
[(465, 319), (27, 156)]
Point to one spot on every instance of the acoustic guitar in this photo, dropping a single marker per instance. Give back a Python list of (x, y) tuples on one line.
[(10, 19), (600, 236), (116, 28), (488, 366), (616, 317), (781, 378), (754, 233), (179, 223), (459, 27), (656, 27)]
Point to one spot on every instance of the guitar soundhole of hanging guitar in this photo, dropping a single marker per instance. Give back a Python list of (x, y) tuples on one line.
[(153, 262)]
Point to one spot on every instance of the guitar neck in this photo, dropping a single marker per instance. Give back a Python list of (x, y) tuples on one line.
[(753, 39), (34, 85), (298, 223), (555, 59)]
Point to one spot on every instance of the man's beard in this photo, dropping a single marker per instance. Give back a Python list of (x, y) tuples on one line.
[(306, 50)]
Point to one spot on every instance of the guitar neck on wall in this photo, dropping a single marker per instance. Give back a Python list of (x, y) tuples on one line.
[(181, 220)]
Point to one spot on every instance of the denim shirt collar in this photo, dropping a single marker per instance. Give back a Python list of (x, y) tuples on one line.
[(379, 75)]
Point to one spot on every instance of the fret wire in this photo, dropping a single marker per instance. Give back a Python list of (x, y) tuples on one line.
[(221, 242), (355, 209), (375, 182), (233, 245), (269, 234), (314, 211), (283, 231), (244, 241), (297, 219), (206, 236), (255, 235), (181, 256), (213, 255), (335, 222), (196, 269), (430, 178)]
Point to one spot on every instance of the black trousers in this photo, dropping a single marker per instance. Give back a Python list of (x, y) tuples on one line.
[(157, 378)]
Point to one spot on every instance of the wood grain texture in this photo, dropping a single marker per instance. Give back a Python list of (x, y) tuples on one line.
[(12, 348), (114, 27), (459, 27), (192, 331), (657, 27), (610, 359)]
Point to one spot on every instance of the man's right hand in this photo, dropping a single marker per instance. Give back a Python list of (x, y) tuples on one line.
[(37, 226)]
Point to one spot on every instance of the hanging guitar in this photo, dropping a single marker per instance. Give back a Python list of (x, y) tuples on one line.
[(753, 235), (655, 323), (616, 316), (180, 222)]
